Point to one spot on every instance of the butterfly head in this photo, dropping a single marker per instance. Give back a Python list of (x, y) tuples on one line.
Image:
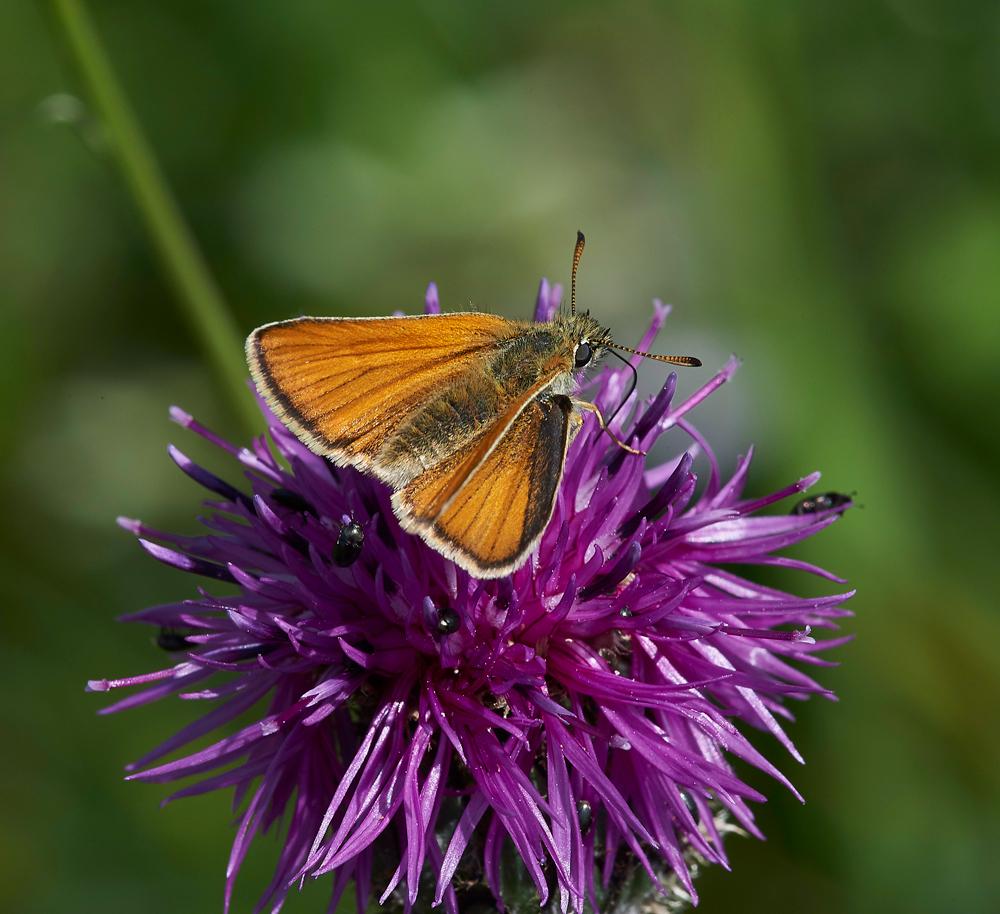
[(583, 340)]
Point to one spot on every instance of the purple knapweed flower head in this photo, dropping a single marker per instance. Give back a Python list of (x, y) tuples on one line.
[(427, 734)]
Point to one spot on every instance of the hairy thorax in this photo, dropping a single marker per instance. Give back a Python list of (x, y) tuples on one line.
[(463, 411)]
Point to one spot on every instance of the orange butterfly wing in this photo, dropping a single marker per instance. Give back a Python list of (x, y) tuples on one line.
[(344, 385), (506, 491)]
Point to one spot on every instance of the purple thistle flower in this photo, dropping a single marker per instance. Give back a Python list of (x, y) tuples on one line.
[(419, 719)]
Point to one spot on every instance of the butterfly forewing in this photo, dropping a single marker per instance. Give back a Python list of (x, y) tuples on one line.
[(467, 416), (344, 385), (505, 503)]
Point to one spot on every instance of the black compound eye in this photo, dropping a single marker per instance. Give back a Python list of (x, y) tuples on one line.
[(583, 354)]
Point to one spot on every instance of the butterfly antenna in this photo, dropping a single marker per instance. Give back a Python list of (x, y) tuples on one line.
[(689, 360), (580, 240), (635, 381)]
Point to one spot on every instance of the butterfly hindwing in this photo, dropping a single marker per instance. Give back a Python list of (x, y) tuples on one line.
[(520, 473)]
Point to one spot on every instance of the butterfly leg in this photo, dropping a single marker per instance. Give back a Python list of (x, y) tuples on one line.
[(583, 404)]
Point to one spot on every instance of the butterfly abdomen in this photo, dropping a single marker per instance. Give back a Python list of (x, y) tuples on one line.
[(472, 405), (442, 425)]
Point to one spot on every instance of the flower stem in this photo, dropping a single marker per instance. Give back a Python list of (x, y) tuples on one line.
[(200, 298)]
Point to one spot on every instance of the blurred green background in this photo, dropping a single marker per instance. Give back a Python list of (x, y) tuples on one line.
[(813, 185)]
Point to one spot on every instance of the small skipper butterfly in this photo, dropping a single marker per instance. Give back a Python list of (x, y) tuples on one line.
[(467, 416)]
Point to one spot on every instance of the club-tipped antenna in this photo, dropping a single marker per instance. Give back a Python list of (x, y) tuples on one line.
[(580, 241), (687, 360)]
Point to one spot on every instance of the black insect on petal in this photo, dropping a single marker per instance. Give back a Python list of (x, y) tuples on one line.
[(586, 814), (690, 804), (816, 503), (449, 621), (173, 640), (349, 543)]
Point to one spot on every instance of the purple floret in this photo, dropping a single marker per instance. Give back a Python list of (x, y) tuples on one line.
[(582, 708)]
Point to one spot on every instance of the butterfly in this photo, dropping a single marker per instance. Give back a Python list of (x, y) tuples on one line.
[(467, 416)]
